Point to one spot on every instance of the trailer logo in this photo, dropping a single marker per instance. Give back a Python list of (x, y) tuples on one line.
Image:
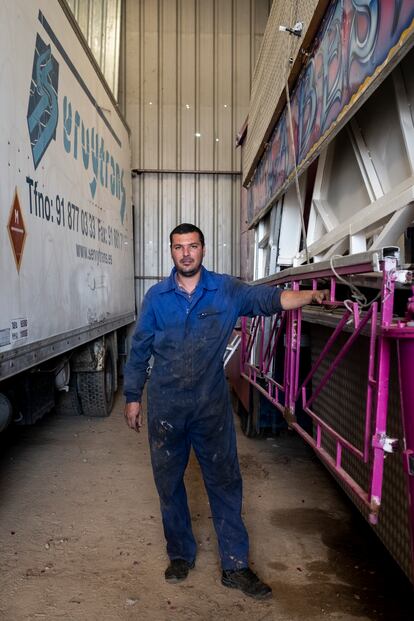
[(43, 111)]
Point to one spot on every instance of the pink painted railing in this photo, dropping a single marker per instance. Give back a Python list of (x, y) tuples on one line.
[(259, 347)]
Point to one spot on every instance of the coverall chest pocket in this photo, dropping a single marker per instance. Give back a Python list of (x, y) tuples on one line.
[(210, 323)]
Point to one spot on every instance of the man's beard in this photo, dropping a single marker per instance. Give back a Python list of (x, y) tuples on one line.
[(188, 273)]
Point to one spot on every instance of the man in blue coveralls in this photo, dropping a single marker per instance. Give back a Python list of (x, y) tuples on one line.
[(185, 323)]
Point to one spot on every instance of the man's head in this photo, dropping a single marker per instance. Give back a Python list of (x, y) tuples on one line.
[(187, 249)]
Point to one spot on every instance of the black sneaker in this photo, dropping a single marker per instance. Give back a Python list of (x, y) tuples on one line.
[(177, 570), (247, 581)]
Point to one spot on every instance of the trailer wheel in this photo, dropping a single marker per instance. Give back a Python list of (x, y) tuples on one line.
[(247, 424), (250, 419), (68, 403), (96, 389), (246, 420)]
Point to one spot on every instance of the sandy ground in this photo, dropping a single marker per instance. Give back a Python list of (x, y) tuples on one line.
[(81, 535)]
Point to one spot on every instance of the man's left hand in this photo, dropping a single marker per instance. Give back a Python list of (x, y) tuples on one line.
[(320, 295), (296, 299)]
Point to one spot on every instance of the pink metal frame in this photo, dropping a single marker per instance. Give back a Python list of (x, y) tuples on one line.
[(257, 354), (252, 372)]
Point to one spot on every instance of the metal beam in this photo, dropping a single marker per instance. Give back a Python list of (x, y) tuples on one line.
[(366, 166), (395, 227), (352, 264), (385, 206), (404, 114)]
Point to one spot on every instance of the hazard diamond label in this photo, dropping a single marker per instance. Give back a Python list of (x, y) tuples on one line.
[(17, 230)]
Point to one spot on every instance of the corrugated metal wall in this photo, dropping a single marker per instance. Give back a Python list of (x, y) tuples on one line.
[(188, 76), (100, 23)]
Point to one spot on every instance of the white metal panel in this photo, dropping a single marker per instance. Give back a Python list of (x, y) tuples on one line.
[(244, 56), (188, 71), (406, 88), (100, 23), (188, 198), (169, 123), (188, 65), (150, 86), (205, 91), (189, 140), (290, 226), (223, 242), (381, 130), (76, 271), (345, 190), (225, 68), (210, 201)]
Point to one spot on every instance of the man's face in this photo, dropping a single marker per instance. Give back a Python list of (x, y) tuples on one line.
[(187, 253)]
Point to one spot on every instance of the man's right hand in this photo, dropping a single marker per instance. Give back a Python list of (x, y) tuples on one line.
[(133, 415)]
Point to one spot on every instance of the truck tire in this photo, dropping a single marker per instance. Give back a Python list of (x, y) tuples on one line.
[(247, 424), (96, 389), (250, 419), (68, 403)]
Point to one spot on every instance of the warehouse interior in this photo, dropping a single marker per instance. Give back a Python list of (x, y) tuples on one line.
[(202, 90)]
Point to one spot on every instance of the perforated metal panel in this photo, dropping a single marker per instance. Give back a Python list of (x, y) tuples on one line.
[(272, 70), (341, 404)]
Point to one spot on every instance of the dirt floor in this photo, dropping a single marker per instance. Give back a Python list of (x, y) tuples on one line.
[(81, 535)]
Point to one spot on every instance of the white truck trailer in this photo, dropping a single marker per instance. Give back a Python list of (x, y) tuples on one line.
[(66, 229)]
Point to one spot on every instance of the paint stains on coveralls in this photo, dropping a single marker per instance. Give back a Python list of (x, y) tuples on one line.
[(189, 403)]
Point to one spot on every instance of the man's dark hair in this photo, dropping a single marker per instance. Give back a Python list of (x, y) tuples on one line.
[(185, 227)]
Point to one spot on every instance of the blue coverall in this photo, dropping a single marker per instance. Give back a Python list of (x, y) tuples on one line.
[(189, 402)]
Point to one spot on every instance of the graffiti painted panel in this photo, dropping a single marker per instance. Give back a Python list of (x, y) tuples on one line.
[(355, 39)]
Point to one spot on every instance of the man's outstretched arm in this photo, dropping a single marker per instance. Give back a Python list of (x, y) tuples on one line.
[(295, 299)]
